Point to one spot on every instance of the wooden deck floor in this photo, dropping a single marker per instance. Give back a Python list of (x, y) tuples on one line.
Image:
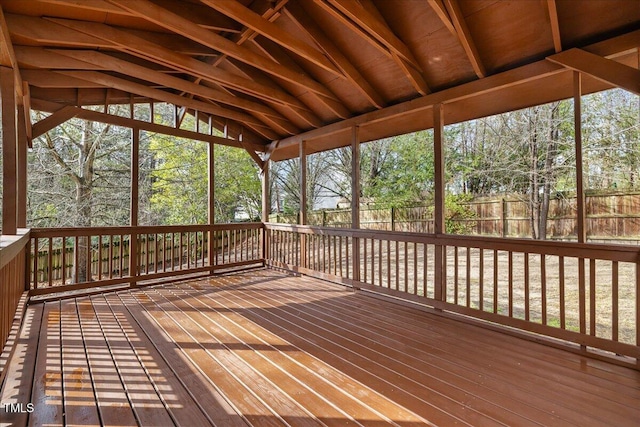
[(262, 348)]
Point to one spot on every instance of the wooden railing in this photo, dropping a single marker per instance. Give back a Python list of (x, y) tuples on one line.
[(13, 251), (64, 259), (582, 296)]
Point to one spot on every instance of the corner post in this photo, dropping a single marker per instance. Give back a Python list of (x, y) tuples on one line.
[(9, 151)]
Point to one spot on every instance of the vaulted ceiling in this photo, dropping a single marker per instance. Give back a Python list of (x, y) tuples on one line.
[(272, 70)]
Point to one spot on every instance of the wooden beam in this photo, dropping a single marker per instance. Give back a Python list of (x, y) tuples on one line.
[(52, 80), (160, 95), (366, 15), (300, 16), (8, 56), (57, 118), (441, 11), (26, 104), (359, 14), (171, 21), (140, 72), (9, 151), (464, 35), (256, 158), (555, 25), (472, 89), (606, 70), (161, 55), (278, 54), (257, 23), (142, 125)]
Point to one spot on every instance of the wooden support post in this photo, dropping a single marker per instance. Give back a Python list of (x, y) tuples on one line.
[(439, 225), (211, 213), (23, 145), (302, 217), (577, 111), (581, 230), (133, 215), (9, 151), (266, 209), (355, 200)]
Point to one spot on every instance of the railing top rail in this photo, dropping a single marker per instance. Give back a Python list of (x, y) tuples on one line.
[(11, 245), (623, 253), (147, 229)]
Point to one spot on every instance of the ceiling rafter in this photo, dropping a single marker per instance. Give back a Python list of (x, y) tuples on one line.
[(555, 25), (140, 72), (300, 16), (606, 70), (97, 116), (159, 95), (7, 54), (274, 51), (463, 34), (270, 30), (367, 21), (189, 10), (171, 21), (126, 42)]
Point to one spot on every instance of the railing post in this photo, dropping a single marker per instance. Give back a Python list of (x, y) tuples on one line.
[(302, 213), (266, 210)]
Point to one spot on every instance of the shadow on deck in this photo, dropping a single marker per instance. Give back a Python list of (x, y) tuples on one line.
[(264, 348)]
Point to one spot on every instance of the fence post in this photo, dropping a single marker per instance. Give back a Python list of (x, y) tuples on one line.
[(503, 218), (393, 218)]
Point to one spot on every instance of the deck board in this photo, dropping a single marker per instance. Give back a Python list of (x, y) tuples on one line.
[(266, 349)]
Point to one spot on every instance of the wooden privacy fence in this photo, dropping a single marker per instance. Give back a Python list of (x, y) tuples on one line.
[(610, 217), (79, 258), (586, 295)]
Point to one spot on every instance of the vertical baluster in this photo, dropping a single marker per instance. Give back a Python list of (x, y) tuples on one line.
[(100, 257), (455, 274), (481, 281), (495, 280), (340, 255), (561, 291), (121, 254), (614, 300), (235, 246), (425, 269), (34, 263), (406, 267), (50, 262), (415, 268), (347, 259), (76, 258), (543, 287), (110, 263), (511, 284), (468, 283), (380, 262), (397, 260), (592, 297), (373, 262), (389, 264), (364, 259), (64, 260), (527, 305), (335, 256)]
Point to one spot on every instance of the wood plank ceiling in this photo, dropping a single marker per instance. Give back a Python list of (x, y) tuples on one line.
[(273, 69)]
